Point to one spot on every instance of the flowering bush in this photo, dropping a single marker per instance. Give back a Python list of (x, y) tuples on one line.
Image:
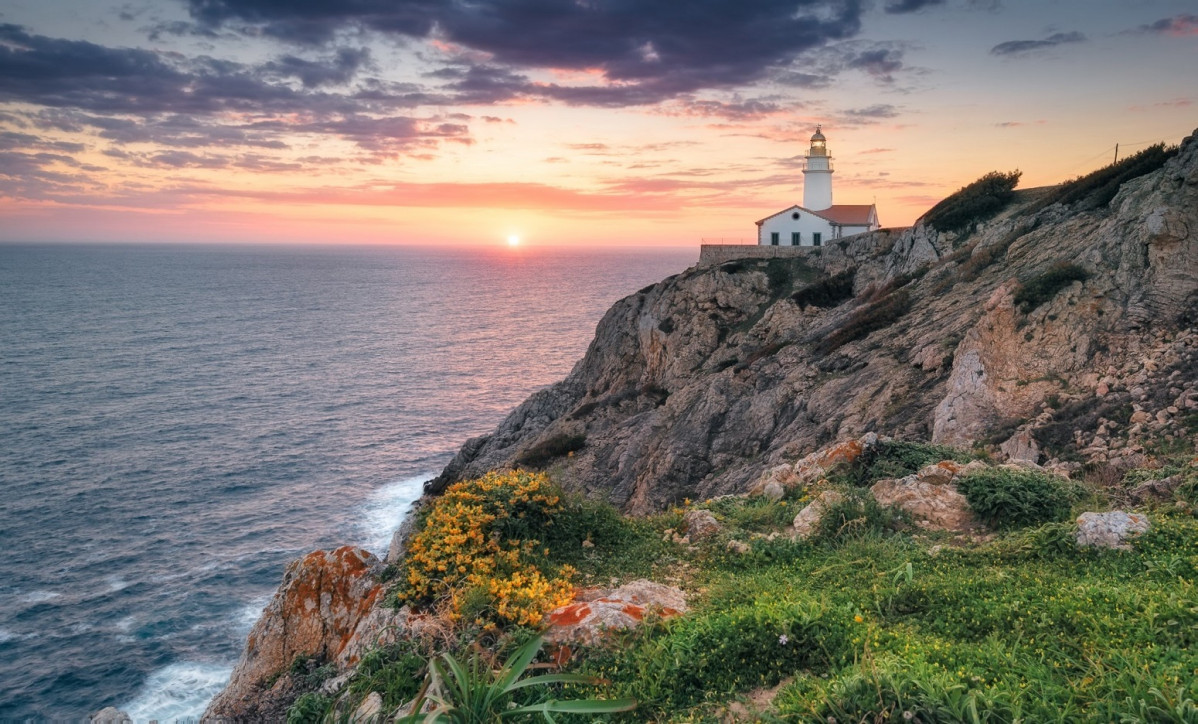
[(476, 552)]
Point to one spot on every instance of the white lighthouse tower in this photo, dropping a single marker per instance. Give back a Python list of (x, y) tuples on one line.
[(818, 220), (817, 174)]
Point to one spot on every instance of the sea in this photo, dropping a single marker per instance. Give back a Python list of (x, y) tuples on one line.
[(177, 423)]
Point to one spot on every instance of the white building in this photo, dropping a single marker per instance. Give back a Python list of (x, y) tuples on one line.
[(818, 220)]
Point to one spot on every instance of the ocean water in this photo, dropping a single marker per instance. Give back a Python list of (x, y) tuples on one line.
[(177, 423)]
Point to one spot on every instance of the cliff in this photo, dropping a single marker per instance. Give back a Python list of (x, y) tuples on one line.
[(1054, 333), (1042, 330)]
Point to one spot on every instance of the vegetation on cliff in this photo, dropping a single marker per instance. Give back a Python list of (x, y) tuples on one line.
[(872, 618)]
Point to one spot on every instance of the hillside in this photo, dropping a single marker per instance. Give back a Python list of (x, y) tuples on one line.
[(696, 385), (918, 475)]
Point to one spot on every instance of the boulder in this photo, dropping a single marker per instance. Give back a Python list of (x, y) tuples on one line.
[(1021, 446), (773, 491), (700, 524), (1156, 490), (595, 611), (940, 473), (370, 711), (932, 506), (808, 518), (1110, 530), (111, 715), (315, 611), (827, 459)]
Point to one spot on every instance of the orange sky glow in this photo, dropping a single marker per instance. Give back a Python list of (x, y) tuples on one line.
[(173, 122)]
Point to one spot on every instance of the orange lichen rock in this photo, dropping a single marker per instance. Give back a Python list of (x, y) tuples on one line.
[(315, 611), (597, 611)]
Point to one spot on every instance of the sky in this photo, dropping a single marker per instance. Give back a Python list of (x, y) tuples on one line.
[(558, 122)]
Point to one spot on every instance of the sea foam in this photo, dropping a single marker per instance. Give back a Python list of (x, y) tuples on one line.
[(385, 509), (178, 692)]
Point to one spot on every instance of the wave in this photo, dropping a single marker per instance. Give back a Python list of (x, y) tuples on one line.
[(180, 691), (385, 509)]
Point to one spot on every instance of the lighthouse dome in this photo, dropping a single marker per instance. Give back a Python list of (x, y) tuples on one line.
[(819, 136)]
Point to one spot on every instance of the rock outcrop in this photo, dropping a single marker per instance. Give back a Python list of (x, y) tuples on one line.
[(318, 607), (1110, 530), (596, 611), (698, 385)]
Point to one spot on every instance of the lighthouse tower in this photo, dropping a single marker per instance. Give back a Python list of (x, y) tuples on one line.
[(817, 175)]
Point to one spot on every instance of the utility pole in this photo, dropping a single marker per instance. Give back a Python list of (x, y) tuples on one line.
[(1116, 153)]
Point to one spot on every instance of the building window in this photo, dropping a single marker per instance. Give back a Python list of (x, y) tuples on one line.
[(773, 238), (794, 238), (816, 238)]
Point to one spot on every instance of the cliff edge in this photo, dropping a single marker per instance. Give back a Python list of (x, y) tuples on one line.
[(1042, 330)]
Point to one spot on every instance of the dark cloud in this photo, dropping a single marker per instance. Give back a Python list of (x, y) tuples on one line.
[(650, 49), (338, 70), (910, 6), (1020, 47), (881, 63), (876, 111), (1178, 25), (134, 96)]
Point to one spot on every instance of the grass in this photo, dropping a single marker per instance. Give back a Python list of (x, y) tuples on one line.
[(869, 622)]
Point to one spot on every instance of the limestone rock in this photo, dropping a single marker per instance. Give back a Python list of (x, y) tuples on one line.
[(739, 547), (808, 518), (1156, 490), (370, 711), (111, 715), (323, 598), (595, 611), (773, 491), (933, 506), (825, 460), (740, 385), (1021, 446), (700, 524), (940, 473), (1110, 530)]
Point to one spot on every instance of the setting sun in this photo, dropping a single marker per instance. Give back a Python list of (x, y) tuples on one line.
[(513, 240)]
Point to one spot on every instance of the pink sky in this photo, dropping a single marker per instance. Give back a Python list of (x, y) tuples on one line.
[(563, 123)]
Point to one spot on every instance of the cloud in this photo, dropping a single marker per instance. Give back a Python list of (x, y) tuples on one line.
[(910, 6), (1178, 26), (645, 50), (1022, 47), (876, 111), (338, 70)]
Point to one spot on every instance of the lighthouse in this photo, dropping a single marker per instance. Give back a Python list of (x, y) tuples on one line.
[(818, 220), (817, 174)]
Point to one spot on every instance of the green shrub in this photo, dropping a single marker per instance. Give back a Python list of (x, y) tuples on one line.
[(1099, 187), (309, 708), (693, 658), (1016, 498), (827, 292), (893, 691), (393, 671), (854, 517), (549, 449), (973, 203), (865, 321), (1044, 286)]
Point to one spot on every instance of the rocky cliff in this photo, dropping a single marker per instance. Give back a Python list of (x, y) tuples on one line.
[(1056, 331)]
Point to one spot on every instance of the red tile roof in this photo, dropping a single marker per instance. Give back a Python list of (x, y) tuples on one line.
[(848, 214)]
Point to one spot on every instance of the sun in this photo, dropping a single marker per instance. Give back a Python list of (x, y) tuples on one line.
[(513, 240)]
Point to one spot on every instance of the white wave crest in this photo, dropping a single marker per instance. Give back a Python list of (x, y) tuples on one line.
[(180, 691), (384, 511)]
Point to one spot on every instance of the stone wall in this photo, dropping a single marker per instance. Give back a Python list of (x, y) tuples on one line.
[(710, 254)]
